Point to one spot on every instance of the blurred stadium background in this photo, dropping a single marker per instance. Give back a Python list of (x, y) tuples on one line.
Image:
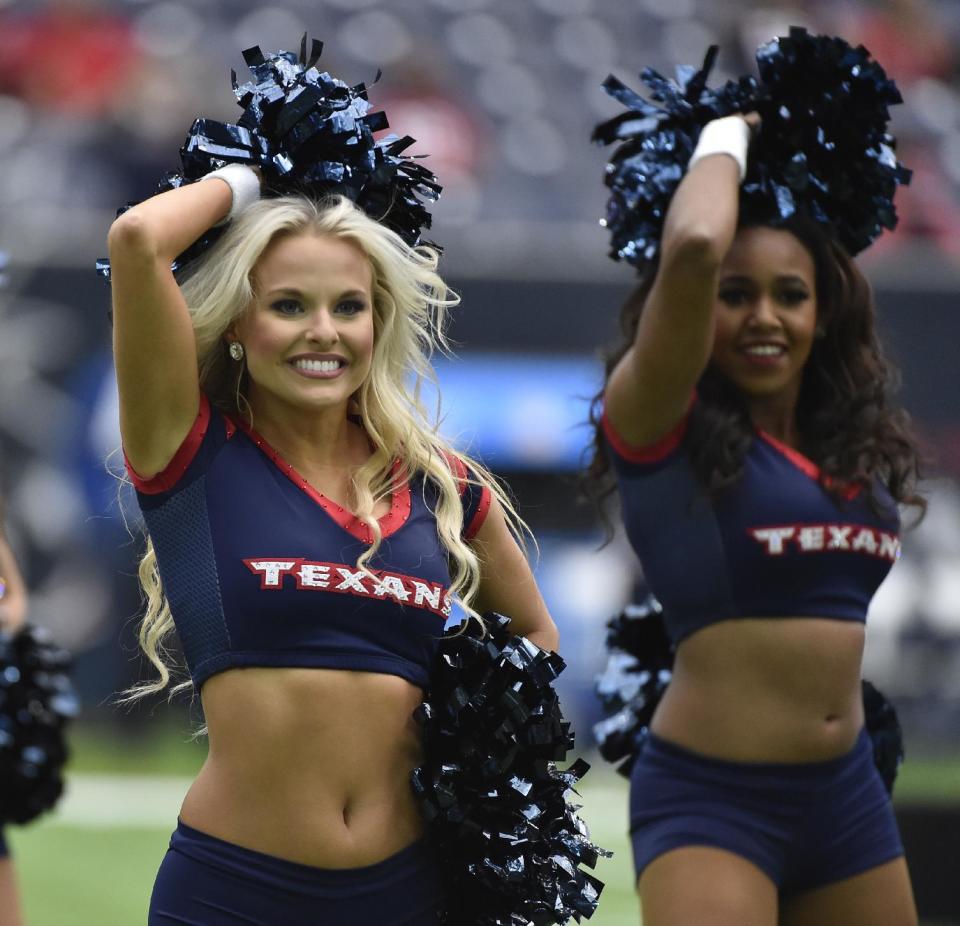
[(95, 98)]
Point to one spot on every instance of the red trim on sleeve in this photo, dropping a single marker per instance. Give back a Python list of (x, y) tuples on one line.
[(459, 470), (174, 470), (652, 453), (480, 515), (462, 475)]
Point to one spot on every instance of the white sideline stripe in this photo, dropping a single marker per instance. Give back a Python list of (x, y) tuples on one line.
[(154, 800), (120, 800)]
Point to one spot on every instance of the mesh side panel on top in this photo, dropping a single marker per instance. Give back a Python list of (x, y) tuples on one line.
[(180, 530)]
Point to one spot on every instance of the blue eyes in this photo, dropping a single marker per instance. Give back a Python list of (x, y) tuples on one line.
[(293, 307), (286, 306)]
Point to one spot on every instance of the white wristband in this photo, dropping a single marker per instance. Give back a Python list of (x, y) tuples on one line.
[(729, 135), (244, 185)]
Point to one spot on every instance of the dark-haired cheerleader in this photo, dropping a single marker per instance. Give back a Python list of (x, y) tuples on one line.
[(760, 465), (308, 527)]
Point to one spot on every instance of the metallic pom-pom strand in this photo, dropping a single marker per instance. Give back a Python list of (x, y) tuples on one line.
[(822, 149), (312, 134), (495, 802), (37, 700)]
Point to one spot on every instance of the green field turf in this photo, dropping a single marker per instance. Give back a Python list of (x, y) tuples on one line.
[(92, 862), (74, 875)]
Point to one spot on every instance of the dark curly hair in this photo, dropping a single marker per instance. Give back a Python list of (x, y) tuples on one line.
[(847, 421)]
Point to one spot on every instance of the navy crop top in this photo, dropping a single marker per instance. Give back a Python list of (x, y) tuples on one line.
[(260, 568), (775, 544)]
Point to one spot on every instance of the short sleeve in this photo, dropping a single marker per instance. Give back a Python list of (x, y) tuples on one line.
[(209, 433), (652, 454), (474, 496)]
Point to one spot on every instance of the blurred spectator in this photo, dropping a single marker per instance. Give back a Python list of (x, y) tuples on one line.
[(420, 104), (928, 209), (907, 36), (72, 56), (911, 41), (765, 19)]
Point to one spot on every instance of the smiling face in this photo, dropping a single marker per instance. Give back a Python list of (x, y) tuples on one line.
[(308, 335), (766, 314)]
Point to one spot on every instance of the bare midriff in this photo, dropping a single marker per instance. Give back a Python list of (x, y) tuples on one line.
[(766, 690), (309, 765)]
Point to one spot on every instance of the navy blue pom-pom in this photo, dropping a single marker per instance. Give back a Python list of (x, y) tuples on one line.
[(37, 700), (655, 142), (886, 736), (308, 133), (638, 670), (495, 802), (823, 145), (822, 148)]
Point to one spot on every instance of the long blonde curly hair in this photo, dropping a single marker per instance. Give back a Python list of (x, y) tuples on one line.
[(410, 305)]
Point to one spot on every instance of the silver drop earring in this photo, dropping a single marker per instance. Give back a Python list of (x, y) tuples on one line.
[(236, 350)]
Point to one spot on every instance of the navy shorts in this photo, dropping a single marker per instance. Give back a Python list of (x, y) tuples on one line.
[(204, 881), (803, 824), (4, 848)]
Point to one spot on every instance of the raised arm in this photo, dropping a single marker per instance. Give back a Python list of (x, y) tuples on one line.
[(507, 584), (154, 347), (649, 390)]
